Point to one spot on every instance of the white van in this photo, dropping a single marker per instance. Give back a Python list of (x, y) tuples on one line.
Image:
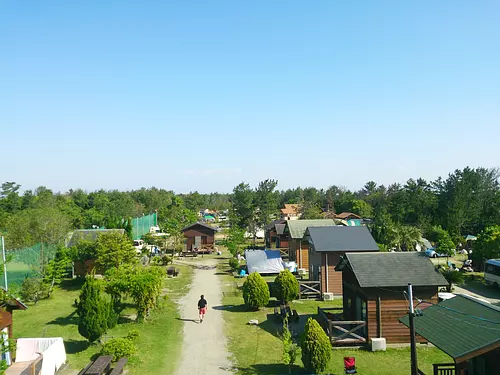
[(492, 272)]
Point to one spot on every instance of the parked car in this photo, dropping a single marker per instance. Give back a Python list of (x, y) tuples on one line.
[(431, 253)]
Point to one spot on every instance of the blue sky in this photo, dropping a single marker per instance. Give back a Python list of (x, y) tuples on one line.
[(197, 95)]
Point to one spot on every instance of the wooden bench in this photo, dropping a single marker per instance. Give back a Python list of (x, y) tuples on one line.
[(118, 369), (100, 366)]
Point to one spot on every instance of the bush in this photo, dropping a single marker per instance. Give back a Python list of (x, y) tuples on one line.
[(166, 260), (133, 335), (255, 291), (287, 286), (453, 277), (316, 347), (234, 264), (157, 261), (34, 289), (93, 311), (119, 347)]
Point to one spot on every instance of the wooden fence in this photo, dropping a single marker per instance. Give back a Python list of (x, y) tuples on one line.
[(341, 332), (309, 289)]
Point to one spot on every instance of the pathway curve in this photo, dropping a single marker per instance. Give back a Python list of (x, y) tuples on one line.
[(204, 347)]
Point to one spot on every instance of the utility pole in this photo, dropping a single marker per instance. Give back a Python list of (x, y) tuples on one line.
[(413, 343), (4, 265)]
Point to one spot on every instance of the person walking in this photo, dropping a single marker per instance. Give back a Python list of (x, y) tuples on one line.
[(202, 307)]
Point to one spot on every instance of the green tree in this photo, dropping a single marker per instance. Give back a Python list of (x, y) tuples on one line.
[(290, 349), (255, 291), (242, 204), (113, 250), (266, 202), (93, 310), (316, 347), (287, 286), (487, 245), (443, 242), (453, 277)]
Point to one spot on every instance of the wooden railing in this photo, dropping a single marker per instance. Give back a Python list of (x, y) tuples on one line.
[(283, 251), (445, 369), (309, 289), (341, 332)]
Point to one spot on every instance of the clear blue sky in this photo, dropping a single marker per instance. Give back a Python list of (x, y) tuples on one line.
[(201, 95)]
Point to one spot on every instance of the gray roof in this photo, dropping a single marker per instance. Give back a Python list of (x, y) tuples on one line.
[(90, 235), (198, 223), (272, 224), (377, 269), (280, 228), (340, 238), (460, 326), (297, 228)]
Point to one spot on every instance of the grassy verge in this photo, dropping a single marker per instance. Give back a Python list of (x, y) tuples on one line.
[(159, 343), (258, 349)]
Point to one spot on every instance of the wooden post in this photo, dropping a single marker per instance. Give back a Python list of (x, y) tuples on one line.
[(379, 317)]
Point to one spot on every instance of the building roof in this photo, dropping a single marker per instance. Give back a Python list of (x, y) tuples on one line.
[(290, 209), (12, 302), (297, 228), (340, 238), (271, 225), (378, 269), (90, 235), (280, 228), (462, 326), (345, 215), (198, 223)]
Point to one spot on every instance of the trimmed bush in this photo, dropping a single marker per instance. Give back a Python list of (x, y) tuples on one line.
[(118, 348), (166, 260), (93, 311), (255, 291), (234, 264), (316, 347), (133, 335), (287, 287)]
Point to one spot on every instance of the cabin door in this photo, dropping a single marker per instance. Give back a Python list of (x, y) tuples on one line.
[(197, 242)]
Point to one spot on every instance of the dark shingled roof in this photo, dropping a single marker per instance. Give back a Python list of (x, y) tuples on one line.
[(340, 238), (90, 235), (392, 269), (198, 223), (459, 326), (271, 225)]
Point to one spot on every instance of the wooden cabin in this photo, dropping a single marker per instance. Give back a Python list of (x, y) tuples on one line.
[(8, 305), (199, 235), (274, 235), (346, 216), (326, 245), (467, 330), (298, 249), (374, 286)]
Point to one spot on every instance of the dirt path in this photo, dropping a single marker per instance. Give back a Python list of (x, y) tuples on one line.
[(204, 347)]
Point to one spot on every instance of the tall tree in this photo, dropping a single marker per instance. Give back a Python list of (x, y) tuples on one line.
[(243, 209), (266, 201)]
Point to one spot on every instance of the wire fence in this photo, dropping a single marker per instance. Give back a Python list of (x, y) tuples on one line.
[(141, 225)]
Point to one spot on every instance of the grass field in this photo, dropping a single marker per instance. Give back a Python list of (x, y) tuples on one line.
[(258, 349), (160, 336)]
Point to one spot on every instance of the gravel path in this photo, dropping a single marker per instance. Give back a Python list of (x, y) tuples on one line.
[(204, 347)]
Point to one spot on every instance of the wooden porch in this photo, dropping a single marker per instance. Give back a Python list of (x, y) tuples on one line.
[(447, 369), (309, 289), (341, 332)]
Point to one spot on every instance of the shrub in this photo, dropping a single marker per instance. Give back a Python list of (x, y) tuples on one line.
[(234, 264), (133, 335), (118, 348), (157, 261), (93, 311), (255, 291), (287, 286), (34, 289), (166, 260), (316, 347), (453, 277), (290, 349)]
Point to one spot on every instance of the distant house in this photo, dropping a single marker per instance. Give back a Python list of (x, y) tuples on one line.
[(467, 330), (327, 245), (7, 306), (298, 250), (199, 235), (346, 216), (374, 286), (290, 211), (274, 234), (82, 268)]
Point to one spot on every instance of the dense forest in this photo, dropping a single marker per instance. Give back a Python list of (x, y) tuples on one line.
[(465, 202)]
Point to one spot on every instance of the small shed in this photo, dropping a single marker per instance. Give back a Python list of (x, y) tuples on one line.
[(7, 306), (298, 249), (200, 236), (466, 329), (374, 290), (271, 235), (327, 245)]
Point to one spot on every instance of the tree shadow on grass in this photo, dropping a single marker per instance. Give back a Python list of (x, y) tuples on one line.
[(72, 284), (232, 308), (274, 325), (188, 320), (75, 346), (65, 321), (269, 369)]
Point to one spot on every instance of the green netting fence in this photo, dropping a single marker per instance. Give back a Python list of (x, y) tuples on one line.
[(26, 262), (141, 225)]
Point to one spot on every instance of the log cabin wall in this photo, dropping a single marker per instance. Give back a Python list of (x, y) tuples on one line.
[(200, 231)]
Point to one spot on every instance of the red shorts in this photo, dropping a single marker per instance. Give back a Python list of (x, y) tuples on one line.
[(203, 311)]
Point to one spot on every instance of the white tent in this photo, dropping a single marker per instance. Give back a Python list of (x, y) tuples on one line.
[(264, 261)]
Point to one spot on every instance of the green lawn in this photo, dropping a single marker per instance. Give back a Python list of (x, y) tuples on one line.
[(258, 349), (160, 336)]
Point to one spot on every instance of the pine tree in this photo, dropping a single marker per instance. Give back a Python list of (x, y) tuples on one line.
[(93, 311), (316, 347)]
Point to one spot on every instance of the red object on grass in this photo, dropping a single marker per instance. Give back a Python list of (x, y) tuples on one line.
[(349, 363)]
